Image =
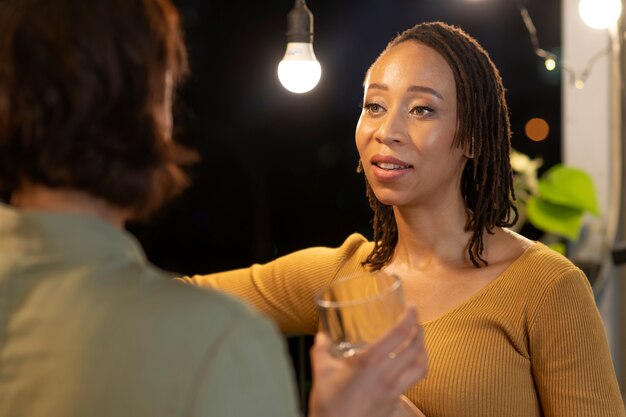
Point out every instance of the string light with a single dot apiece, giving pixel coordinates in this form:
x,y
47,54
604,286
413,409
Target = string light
x,y
551,61
550,64
600,14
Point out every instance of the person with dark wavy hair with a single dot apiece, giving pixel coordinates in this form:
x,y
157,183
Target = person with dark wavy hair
x,y
88,327
83,110
511,327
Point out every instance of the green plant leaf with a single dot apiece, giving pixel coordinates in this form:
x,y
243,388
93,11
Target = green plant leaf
x,y
558,247
554,218
569,187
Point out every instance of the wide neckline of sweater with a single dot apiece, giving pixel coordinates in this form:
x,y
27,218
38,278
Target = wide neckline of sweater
x,y
489,287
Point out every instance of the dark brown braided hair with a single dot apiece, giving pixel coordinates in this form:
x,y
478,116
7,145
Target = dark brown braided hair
x,y
483,127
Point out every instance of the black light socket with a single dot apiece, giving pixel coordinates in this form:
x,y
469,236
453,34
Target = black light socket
x,y
300,23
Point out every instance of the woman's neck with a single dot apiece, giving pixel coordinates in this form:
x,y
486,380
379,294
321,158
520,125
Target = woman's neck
x,y
427,238
41,198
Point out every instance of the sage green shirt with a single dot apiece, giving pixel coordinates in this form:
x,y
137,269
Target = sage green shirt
x,y
89,328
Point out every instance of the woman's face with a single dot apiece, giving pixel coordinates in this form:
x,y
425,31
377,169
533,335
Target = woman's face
x,y
405,133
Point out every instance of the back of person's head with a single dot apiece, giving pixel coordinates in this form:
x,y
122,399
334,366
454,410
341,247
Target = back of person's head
x,y
483,129
85,93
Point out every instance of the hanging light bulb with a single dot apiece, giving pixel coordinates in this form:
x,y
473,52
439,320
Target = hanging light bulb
x,y
600,14
299,71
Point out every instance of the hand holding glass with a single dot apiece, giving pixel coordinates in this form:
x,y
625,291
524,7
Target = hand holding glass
x,y
355,311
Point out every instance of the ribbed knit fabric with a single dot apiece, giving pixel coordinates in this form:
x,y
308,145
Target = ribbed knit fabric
x,y
531,343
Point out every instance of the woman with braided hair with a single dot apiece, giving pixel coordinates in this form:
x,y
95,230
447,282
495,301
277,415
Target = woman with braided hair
x,y
510,326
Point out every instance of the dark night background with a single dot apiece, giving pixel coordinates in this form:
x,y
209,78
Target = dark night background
x,y
278,168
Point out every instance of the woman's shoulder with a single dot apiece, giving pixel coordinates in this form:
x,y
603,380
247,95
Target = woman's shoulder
x,y
539,257
519,249
539,266
537,277
356,244
354,249
327,260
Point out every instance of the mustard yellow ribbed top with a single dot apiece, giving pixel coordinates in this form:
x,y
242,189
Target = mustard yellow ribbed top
x,y
531,343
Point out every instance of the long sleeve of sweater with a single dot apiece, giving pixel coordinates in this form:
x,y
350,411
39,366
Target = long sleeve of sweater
x,y
284,289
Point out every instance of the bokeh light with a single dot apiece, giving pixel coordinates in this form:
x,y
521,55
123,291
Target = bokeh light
x,y
537,129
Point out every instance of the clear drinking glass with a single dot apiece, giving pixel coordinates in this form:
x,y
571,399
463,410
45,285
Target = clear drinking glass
x,y
358,309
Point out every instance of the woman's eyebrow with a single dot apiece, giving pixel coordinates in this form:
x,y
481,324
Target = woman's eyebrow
x,y
424,89
413,88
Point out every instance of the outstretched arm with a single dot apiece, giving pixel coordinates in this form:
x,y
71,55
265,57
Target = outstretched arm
x,y
284,288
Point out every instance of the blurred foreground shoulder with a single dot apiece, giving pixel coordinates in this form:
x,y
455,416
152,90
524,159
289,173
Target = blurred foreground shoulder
x,y
244,370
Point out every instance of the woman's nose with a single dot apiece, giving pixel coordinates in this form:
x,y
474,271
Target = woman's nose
x,y
392,129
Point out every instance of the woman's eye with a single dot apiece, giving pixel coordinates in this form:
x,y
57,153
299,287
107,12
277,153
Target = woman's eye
x,y
373,107
422,110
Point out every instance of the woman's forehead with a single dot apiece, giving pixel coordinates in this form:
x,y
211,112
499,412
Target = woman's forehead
x,y
412,63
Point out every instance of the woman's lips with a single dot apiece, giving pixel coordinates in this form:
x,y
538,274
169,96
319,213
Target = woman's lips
x,y
387,168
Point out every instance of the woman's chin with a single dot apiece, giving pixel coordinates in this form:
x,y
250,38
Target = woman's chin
x,y
388,199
